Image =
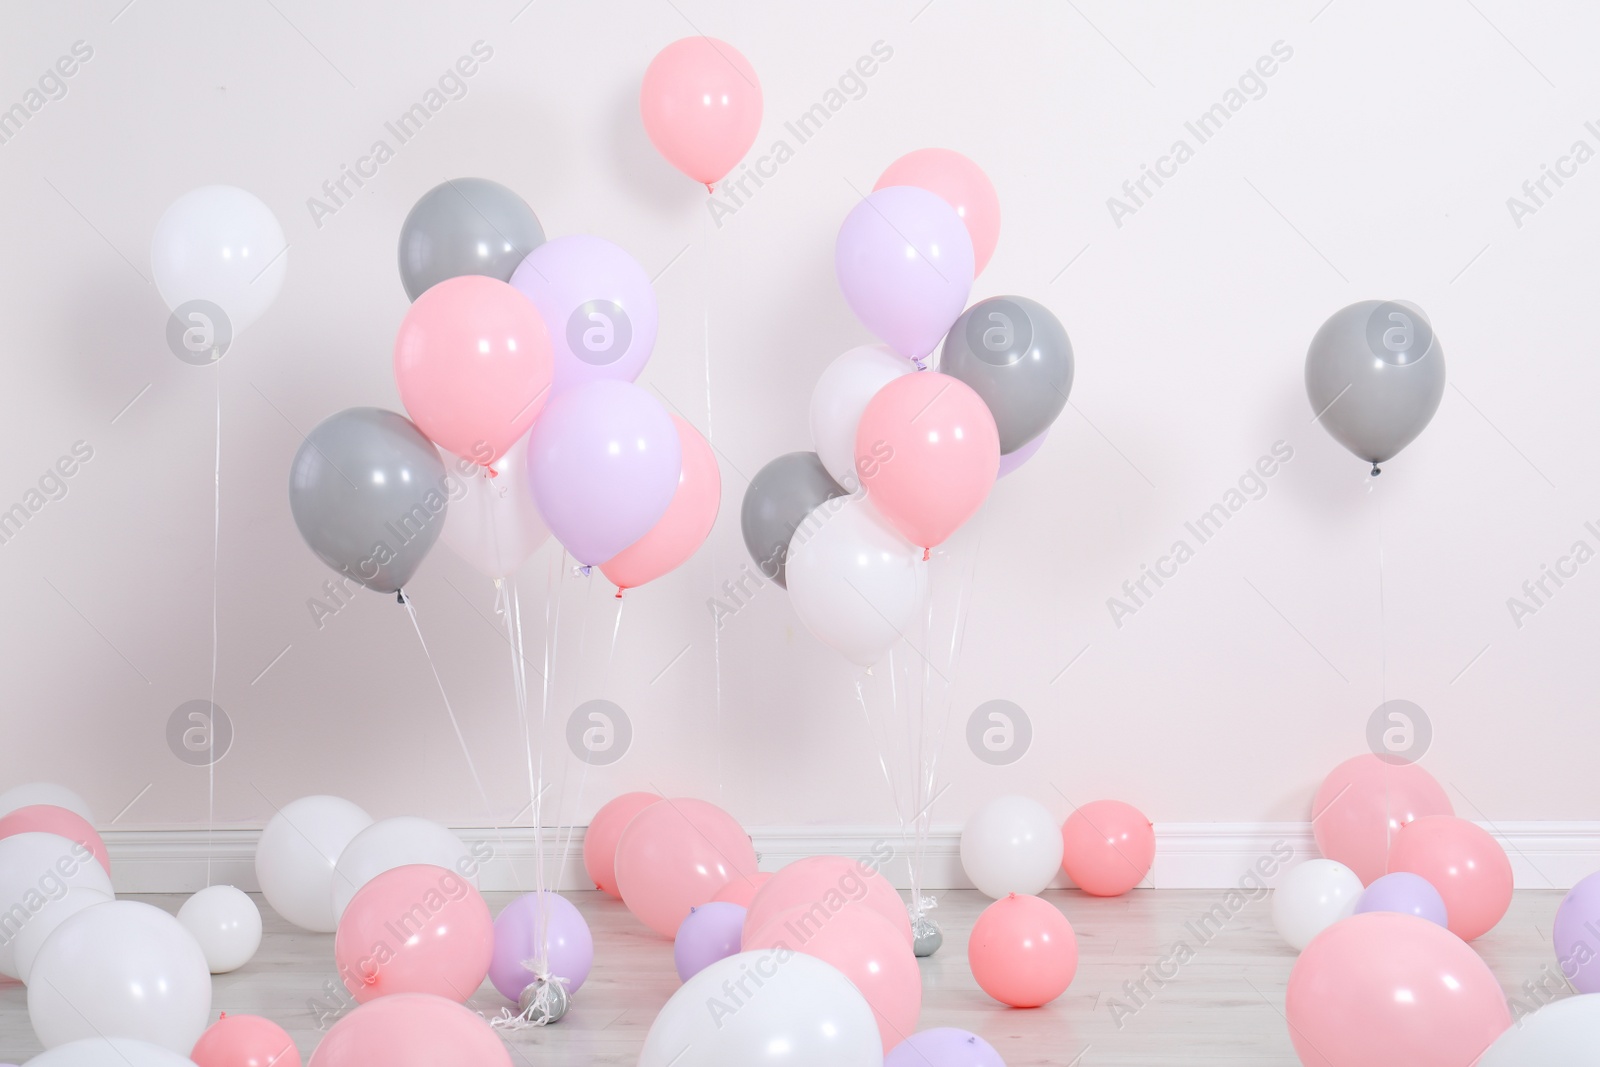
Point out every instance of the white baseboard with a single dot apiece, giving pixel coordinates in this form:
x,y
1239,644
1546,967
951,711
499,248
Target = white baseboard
x,y
1544,855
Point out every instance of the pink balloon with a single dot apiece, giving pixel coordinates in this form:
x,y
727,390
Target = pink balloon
x,y
605,830
962,184
742,889
1010,461
49,819
1107,847
928,453
865,948
1464,863
674,856
701,105
687,522
415,929
832,882
904,263
1363,803
1385,988
245,1041
411,1030
473,363
1022,951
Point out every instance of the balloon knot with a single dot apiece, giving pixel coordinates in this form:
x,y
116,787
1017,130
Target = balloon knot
x,y
919,362
710,190
1375,470
927,554
619,592
490,471
399,596
585,570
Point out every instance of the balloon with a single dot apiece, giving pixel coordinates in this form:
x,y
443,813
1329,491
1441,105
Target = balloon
x,y
1107,847
1375,376
943,1046
26,796
225,923
1010,461
764,1009
1383,988
220,245
701,105
1015,355
1563,1033
122,968
1022,951
928,454
411,1030
779,499
1311,898
1577,935
415,929
1363,803
397,842
674,856
367,491
853,580
840,396
709,933
35,867
742,888
465,226
959,182
1464,863
1011,845
1407,894
832,882
110,1052
603,462
532,920
599,306
605,830
685,525
63,822
296,854
245,1041
27,941
493,522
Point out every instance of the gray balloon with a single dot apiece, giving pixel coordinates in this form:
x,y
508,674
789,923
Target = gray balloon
x,y
1375,376
369,494
780,497
1015,354
465,226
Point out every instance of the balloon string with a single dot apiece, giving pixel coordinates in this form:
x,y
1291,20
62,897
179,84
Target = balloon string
x,y
552,633
211,710
879,747
1383,659
583,777
716,624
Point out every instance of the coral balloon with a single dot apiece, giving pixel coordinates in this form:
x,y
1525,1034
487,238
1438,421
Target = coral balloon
x,y
830,882
701,105
686,524
742,889
674,856
605,830
1384,988
411,1030
1363,803
415,929
473,363
1107,847
1022,951
928,453
245,1041
49,819
959,182
1464,863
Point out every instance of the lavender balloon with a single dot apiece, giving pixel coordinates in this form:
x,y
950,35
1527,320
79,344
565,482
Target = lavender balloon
x,y
709,933
1577,935
944,1046
904,261
1010,461
1406,893
603,464
517,936
599,306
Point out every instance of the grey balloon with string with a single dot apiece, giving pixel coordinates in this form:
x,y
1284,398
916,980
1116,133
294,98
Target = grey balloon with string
x,y
1015,354
1375,375
465,226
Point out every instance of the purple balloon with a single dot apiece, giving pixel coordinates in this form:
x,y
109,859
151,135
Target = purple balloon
x,y
904,261
598,305
1010,461
708,933
1406,893
1577,935
603,464
517,935
944,1046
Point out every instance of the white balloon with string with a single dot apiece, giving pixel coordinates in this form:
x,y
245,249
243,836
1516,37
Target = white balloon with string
x,y
220,245
492,521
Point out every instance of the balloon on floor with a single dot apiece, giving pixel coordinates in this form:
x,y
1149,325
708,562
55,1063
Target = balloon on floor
x,y
1023,951
1107,847
296,854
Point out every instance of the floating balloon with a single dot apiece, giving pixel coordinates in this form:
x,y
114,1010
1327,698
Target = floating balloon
x,y
540,921
493,522
1363,803
1464,863
23,796
943,1046
1015,355
245,1041
831,882
295,858
1311,898
711,932
674,856
1406,894
219,260
411,1030
685,525
465,226
1022,951
1577,935
49,819
414,929
778,501
959,182
397,842
701,105
29,861
1107,847
1560,1034
603,833
225,923
1011,845
841,395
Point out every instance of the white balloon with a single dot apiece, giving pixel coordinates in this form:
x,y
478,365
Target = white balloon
x,y
841,395
392,843
1011,845
775,1007
492,522
34,870
122,969
225,923
1311,898
221,244
296,855
853,580
25,796
109,1052
31,938
1563,1033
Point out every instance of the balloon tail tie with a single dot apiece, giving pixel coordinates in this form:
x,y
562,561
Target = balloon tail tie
x,y
399,596
710,190
585,569
927,554
547,1005
619,592
1375,470
919,362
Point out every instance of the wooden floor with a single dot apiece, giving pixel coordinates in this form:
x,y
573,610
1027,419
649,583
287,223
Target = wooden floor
x,y
1223,1007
